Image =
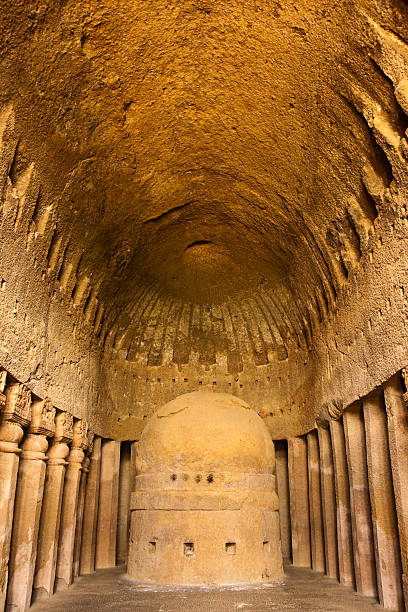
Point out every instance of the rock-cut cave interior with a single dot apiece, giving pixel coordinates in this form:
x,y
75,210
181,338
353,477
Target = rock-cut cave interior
x,y
203,305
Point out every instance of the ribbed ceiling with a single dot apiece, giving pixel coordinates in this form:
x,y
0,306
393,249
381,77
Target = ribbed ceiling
x,y
212,169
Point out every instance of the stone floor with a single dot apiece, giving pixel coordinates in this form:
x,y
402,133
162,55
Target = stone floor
x,y
302,590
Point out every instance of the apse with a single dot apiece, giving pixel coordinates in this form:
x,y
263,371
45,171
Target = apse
x,y
203,200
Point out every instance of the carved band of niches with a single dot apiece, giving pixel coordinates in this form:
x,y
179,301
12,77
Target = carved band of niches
x,y
17,408
64,427
42,418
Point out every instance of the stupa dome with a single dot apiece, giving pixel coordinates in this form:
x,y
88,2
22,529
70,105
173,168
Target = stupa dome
x,y
206,431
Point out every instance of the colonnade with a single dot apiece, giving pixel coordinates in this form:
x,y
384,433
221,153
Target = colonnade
x,y
343,492
64,496
59,496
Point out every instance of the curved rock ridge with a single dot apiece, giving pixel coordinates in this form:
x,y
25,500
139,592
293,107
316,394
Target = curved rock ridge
x,y
204,185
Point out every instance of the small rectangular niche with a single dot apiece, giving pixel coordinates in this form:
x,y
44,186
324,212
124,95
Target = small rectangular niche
x,y
230,548
189,549
267,546
152,547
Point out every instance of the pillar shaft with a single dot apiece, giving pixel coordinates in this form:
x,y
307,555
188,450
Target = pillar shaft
x,y
397,417
80,516
328,502
299,502
315,503
282,481
125,476
88,543
44,578
27,511
363,544
344,533
8,478
384,518
69,509
133,456
15,413
108,505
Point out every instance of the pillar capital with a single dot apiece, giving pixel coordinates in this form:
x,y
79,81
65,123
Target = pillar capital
x,y
42,418
3,379
330,411
42,425
335,409
79,443
17,405
80,434
95,449
85,464
58,452
91,437
90,441
64,427
15,414
404,374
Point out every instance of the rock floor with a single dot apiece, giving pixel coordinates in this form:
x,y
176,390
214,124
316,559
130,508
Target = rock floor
x,y
302,590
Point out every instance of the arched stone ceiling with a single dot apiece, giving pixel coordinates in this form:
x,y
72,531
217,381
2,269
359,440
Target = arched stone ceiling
x,y
210,170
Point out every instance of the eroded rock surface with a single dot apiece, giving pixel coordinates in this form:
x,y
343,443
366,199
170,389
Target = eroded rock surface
x,y
201,193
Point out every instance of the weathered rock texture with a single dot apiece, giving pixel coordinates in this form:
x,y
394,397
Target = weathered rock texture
x,y
205,508
203,193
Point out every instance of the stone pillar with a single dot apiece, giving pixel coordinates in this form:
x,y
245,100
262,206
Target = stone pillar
x,y
341,481
133,455
385,528
282,482
108,505
81,506
80,517
15,414
363,544
397,416
299,502
315,503
88,543
125,490
44,577
27,511
328,501
69,508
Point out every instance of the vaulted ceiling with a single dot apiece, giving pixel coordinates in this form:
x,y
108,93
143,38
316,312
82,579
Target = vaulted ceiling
x,y
211,171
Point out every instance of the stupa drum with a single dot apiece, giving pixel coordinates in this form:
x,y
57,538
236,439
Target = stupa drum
x,y
205,508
